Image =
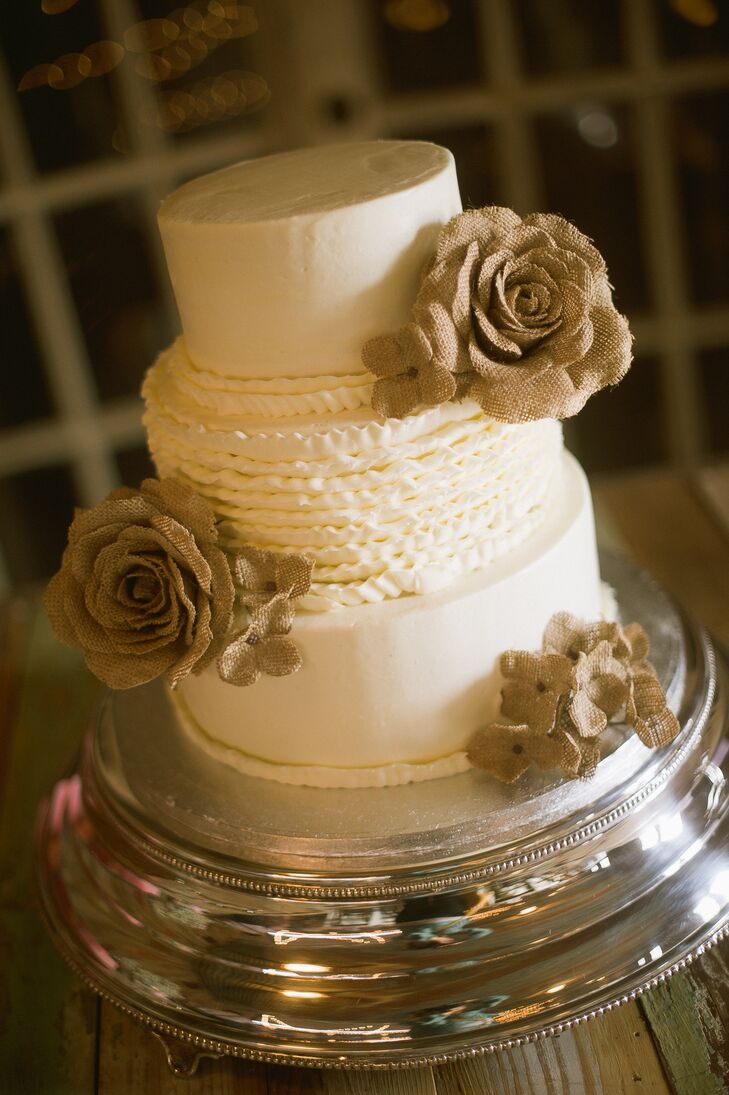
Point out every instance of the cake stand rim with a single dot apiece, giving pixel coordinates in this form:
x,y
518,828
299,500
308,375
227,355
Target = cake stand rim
x,y
356,1059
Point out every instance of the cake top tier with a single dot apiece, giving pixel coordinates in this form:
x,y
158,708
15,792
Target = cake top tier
x,y
285,266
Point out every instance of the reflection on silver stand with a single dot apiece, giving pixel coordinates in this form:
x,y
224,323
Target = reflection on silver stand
x,y
396,926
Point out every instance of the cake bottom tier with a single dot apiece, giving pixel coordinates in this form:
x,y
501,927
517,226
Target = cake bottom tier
x,y
391,692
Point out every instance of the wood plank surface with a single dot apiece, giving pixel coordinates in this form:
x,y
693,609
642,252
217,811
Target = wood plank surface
x,y
55,1036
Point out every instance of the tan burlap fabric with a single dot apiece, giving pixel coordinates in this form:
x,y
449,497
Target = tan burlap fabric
x,y
263,646
563,699
519,311
143,588
261,574
268,583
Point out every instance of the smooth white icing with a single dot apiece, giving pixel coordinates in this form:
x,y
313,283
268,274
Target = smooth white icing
x,y
286,265
384,507
313,775
407,681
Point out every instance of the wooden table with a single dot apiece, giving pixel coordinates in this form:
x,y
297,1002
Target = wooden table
x,y
58,1039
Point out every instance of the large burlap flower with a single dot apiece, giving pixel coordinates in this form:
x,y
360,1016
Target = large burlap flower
x,y
530,307
143,588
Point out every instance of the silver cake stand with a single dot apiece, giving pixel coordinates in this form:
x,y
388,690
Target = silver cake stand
x,y
398,926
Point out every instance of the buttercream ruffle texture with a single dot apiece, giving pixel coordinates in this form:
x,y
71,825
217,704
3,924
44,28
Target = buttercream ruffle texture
x,y
383,507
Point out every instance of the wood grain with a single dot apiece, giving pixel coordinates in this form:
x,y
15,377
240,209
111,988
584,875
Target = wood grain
x,y
612,1053
689,1018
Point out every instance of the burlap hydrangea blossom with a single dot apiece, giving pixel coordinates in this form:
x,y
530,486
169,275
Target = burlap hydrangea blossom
x,y
143,589
519,312
268,583
562,700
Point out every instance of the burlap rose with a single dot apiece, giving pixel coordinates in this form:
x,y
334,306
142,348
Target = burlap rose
x,y
530,307
143,588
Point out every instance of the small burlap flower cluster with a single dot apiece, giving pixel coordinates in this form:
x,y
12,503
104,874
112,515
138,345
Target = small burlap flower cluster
x,y
143,587
517,314
268,583
561,700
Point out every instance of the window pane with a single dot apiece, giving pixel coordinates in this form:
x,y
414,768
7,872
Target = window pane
x,y
700,126
590,177
36,508
705,33
120,307
567,35
425,44
24,393
73,120
714,375
622,427
134,465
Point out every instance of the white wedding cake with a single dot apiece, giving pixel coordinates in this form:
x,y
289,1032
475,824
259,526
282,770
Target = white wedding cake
x,y
439,539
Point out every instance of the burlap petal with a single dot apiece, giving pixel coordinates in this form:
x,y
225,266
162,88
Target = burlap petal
x,y
500,750
539,396
579,756
221,609
506,752
589,720
294,574
197,644
568,238
471,225
81,553
262,574
647,711
383,355
238,663
608,358
117,669
534,685
638,643
178,502
279,657
442,334
119,509
395,397
437,385
459,301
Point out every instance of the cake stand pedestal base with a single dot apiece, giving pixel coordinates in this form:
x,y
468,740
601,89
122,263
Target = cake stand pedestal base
x,y
398,926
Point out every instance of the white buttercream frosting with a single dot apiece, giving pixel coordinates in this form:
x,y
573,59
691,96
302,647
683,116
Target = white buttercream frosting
x,y
386,690
383,506
286,265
